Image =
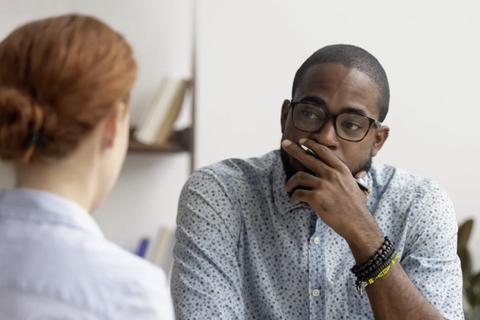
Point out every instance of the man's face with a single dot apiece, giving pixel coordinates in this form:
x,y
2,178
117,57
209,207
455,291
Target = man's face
x,y
337,89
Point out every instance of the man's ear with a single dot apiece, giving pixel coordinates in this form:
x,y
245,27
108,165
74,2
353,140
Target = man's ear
x,y
381,135
284,115
111,125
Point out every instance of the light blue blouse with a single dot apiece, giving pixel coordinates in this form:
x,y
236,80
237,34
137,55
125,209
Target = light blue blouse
x,y
56,264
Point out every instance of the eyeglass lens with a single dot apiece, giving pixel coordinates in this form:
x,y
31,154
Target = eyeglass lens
x,y
349,126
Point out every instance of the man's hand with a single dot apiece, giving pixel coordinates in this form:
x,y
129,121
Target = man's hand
x,y
335,197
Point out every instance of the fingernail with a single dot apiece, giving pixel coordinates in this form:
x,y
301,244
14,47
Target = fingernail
x,y
302,141
361,174
286,143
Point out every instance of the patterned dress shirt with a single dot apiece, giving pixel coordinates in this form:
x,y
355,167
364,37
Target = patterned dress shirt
x,y
245,251
56,264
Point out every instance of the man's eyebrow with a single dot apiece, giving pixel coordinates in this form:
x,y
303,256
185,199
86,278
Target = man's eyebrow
x,y
315,100
321,103
354,111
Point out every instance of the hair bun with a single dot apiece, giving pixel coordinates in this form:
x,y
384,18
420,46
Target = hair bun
x,y
65,84
17,112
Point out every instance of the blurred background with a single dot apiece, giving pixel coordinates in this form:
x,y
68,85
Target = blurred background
x,y
246,54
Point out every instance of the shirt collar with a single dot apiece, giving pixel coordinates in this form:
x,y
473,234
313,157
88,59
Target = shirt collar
x,y
42,206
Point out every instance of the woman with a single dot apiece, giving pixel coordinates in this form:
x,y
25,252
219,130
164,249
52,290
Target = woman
x,y
64,121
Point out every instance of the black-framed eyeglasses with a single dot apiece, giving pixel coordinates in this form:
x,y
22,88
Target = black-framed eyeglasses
x,y
310,117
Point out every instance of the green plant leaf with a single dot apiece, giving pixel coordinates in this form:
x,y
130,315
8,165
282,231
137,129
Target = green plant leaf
x,y
466,263
472,314
475,280
475,288
471,282
464,233
470,297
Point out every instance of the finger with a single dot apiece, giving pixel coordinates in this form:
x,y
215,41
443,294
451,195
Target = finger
x,y
301,195
324,153
298,153
361,183
302,179
361,174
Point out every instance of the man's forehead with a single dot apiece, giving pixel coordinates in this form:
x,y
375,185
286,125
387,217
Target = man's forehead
x,y
328,80
329,71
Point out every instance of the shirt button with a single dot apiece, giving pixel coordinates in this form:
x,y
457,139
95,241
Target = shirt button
x,y
316,240
316,292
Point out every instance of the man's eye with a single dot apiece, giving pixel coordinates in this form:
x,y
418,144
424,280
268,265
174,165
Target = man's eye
x,y
309,115
351,126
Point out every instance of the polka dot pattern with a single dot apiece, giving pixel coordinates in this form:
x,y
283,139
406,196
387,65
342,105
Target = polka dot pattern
x,y
244,251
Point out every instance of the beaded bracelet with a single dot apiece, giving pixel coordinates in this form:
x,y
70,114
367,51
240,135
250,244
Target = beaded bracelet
x,y
375,267
378,259
365,276
359,285
384,271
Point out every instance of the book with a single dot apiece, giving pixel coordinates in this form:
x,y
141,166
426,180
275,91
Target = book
x,y
160,252
156,123
152,248
166,260
142,247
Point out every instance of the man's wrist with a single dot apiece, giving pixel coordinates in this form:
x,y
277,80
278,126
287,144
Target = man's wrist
x,y
364,242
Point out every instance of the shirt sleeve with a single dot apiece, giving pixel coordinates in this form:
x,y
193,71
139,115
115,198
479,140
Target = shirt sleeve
x,y
206,281
430,258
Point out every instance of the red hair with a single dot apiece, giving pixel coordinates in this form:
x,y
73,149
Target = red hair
x,y
59,77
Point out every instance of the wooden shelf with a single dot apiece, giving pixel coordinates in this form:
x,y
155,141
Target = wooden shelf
x,y
179,141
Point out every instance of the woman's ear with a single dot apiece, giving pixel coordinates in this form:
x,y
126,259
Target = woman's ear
x,y
111,124
381,135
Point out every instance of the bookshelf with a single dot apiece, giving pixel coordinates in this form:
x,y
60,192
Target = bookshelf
x,y
154,168
178,141
183,140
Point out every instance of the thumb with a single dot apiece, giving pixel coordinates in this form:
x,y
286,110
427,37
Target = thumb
x,y
360,174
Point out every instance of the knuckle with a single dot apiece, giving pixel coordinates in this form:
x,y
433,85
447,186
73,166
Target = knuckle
x,y
336,175
303,175
331,174
322,148
299,195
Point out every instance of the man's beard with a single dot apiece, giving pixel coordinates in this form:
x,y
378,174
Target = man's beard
x,y
290,170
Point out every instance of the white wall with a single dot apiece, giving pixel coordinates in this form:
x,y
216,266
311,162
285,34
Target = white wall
x,y
160,31
248,52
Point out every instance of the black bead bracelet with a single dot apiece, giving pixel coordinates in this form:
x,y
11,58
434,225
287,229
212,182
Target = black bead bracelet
x,y
376,263
379,269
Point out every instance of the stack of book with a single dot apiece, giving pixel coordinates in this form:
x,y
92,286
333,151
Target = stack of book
x,y
157,121
159,251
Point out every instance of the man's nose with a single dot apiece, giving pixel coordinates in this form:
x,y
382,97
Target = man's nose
x,y
327,135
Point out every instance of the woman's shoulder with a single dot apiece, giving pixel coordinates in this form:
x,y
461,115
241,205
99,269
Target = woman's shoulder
x,y
85,271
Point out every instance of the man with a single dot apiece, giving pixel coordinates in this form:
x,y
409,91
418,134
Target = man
x,y
277,237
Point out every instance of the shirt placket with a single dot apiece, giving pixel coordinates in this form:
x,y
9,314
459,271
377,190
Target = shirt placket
x,y
317,269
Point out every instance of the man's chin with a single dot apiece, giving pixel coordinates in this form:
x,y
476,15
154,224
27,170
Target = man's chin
x,y
365,166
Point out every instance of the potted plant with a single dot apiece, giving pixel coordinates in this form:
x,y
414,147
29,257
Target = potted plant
x,y
471,279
